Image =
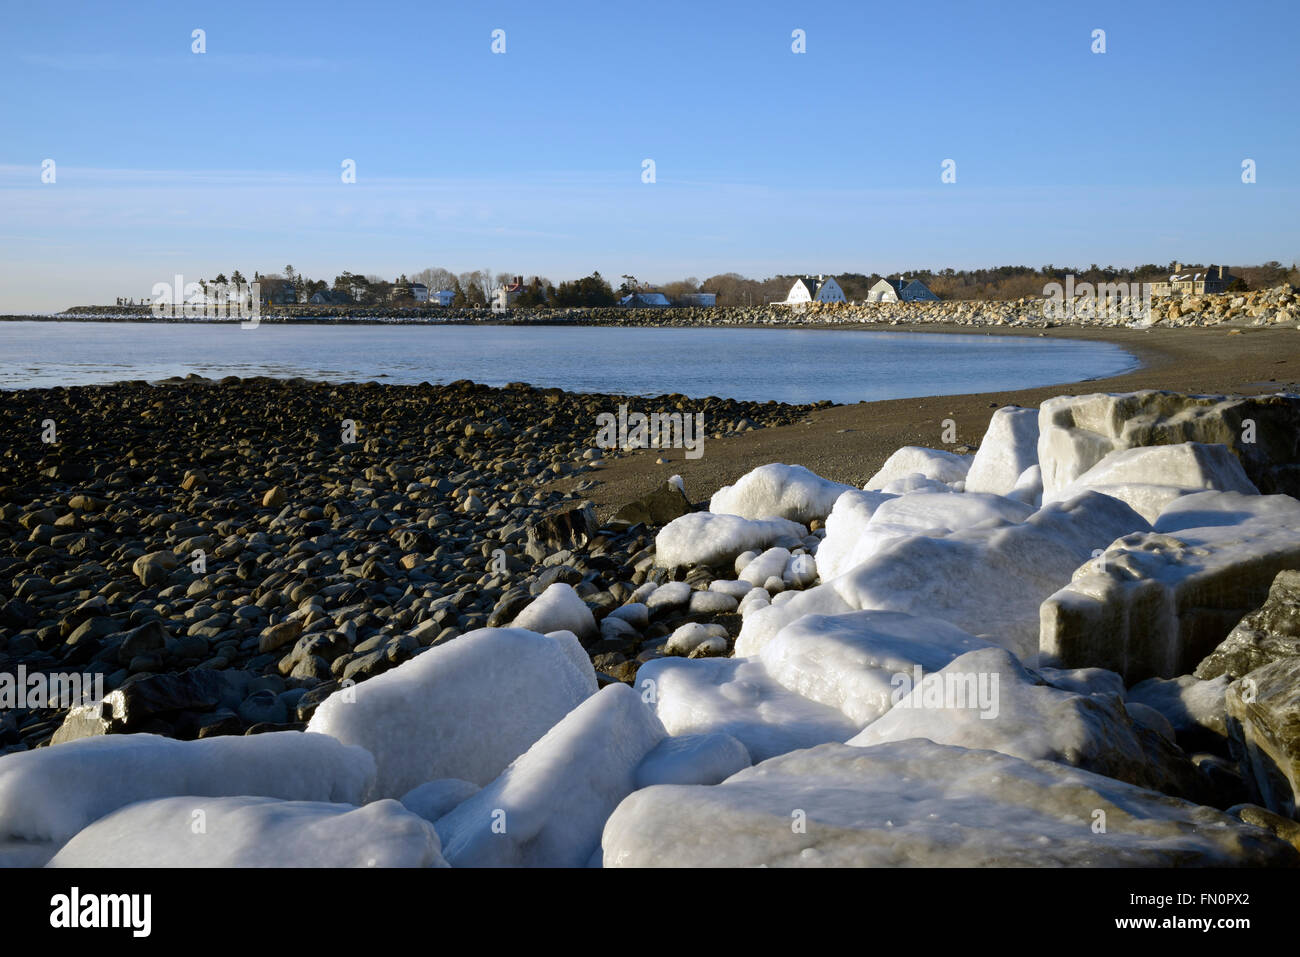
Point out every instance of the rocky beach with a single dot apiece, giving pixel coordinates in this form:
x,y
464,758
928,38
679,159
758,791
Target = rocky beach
x,y
440,625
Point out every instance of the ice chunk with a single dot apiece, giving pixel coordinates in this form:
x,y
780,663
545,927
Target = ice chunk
x,y
737,697
1154,604
987,581
557,609
50,794
433,799
254,832
702,538
986,699
920,804
767,565
1028,487
856,663
779,491
1194,707
1009,447
692,759
913,459
464,709
548,808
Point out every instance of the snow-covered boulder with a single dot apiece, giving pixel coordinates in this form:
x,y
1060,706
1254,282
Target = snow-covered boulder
x,y
1155,603
858,529
986,581
464,709
548,808
770,563
933,464
1028,487
737,697
1009,447
254,832
49,794
558,608
1077,432
856,663
1149,478
920,804
779,491
433,799
692,759
987,699
703,538
1194,708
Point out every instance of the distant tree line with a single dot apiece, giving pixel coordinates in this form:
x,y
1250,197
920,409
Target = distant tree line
x,y
477,288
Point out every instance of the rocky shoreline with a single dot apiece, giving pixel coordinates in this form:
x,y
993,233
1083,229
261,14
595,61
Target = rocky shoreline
x,y
1279,305
323,559
1071,644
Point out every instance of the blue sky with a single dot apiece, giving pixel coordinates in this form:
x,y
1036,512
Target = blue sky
x,y
766,161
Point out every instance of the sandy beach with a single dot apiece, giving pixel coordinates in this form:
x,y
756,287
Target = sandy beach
x,y
848,443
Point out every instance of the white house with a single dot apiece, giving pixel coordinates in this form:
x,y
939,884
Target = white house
x,y
808,289
900,290
419,292
442,297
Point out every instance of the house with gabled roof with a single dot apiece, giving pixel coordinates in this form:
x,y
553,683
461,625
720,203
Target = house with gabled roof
x,y
900,290
808,289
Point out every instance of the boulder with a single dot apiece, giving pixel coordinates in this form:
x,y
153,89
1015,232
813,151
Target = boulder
x,y
987,699
934,464
1264,730
1077,432
1155,603
703,538
915,803
779,491
1269,633
1009,447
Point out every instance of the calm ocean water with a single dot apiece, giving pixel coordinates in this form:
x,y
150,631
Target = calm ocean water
x,y
787,365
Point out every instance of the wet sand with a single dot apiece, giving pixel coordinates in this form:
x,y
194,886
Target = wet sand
x,y
849,443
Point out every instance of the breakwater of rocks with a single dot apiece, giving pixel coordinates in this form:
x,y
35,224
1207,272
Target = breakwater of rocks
x,y
1275,306
231,552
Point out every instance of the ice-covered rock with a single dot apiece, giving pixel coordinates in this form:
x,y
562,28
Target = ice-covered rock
x,y
692,759
1009,447
987,699
767,565
856,663
558,608
736,589
987,581
1077,432
1149,478
800,571
1194,708
432,799
920,804
1267,634
1154,604
686,638
859,529
711,603
1264,731
464,709
737,697
915,460
1028,487
1083,680
703,538
916,482
548,808
50,794
254,832
778,491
